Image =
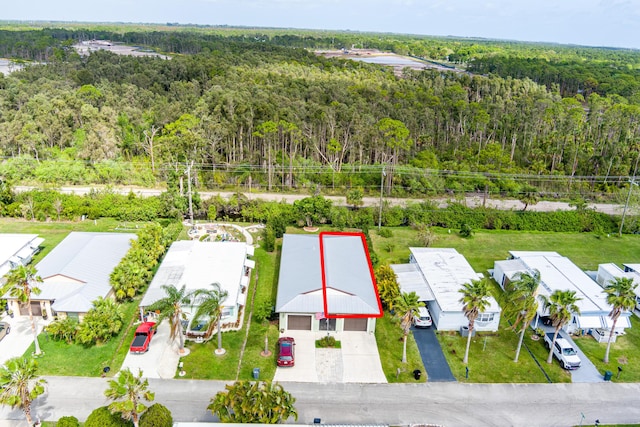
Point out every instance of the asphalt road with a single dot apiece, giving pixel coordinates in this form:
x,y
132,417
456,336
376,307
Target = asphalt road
x,y
472,201
447,404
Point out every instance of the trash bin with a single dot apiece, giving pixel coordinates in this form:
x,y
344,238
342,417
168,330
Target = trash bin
x,y
608,375
256,373
464,331
417,373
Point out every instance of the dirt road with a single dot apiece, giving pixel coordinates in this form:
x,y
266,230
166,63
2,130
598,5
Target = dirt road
x,y
471,201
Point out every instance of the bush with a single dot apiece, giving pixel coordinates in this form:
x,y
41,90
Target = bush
x,y
68,422
102,417
268,239
63,329
156,415
385,232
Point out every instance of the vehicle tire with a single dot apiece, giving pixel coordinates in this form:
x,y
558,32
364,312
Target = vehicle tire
x,y
8,330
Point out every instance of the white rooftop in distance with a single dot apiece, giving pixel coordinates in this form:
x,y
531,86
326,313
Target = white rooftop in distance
x,y
446,271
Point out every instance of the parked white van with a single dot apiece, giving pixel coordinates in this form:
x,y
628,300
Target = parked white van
x,y
424,318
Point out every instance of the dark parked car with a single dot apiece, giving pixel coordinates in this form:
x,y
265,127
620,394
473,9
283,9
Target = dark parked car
x,y
5,328
286,351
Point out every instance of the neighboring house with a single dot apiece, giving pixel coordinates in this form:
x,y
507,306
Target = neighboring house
x,y
75,273
17,249
197,265
350,291
608,273
437,276
559,273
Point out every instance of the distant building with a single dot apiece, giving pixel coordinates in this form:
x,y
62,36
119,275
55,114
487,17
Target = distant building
x,y
559,273
608,273
437,275
16,250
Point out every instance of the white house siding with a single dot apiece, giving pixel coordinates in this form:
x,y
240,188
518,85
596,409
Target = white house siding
x,y
316,323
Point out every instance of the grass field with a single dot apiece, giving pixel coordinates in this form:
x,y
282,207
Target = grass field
x,y
586,250
625,352
61,358
389,339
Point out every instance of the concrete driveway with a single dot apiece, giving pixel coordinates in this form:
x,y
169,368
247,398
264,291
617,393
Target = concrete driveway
x,y
161,361
20,337
358,361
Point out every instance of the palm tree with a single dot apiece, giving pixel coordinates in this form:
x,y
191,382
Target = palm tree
x,y
170,307
253,402
406,307
562,306
128,391
475,300
19,384
21,283
209,302
622,296
522,303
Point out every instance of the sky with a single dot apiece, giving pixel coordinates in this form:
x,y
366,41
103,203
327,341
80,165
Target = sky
x,y
614,23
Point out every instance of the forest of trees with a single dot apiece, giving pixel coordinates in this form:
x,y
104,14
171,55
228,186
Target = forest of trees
x,y
255,110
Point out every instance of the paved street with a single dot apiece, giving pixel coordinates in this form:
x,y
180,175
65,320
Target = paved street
x,y
447,404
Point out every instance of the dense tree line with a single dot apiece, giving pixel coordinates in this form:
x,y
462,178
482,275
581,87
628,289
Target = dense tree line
x,y
249,110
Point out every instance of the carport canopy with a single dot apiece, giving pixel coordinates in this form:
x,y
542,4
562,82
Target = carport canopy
x,y
410,279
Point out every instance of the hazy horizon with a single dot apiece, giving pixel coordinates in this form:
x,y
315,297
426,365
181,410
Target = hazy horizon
x,y
598,23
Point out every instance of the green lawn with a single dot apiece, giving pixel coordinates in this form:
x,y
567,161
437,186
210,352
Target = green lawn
x,y
389,339
586,250
61,358
625,352
54,232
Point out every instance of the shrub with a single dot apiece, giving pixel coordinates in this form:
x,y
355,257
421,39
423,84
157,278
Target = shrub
x,y
268,239
156,415
385,232
466,230
68,422
102,417
63,329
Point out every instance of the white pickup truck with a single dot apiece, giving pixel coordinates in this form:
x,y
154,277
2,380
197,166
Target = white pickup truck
x,y
563,351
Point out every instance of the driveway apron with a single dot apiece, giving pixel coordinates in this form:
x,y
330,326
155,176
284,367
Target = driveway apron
x,y
432,356
587,372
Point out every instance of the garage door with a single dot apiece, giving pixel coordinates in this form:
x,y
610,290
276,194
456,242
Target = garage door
x,y
299,323
355,324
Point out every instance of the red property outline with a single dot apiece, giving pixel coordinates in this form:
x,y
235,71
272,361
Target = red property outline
x,y
324,279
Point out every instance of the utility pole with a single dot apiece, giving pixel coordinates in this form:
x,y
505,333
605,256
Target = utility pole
x,y
382,175
189,166
632,182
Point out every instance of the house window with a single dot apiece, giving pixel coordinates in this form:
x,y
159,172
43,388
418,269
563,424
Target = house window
x,y
485,317
74,316
328,324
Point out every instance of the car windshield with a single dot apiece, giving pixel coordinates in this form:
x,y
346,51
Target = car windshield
x,y
569,352
286,358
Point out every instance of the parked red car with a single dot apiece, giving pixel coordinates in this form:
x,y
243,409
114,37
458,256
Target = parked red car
x,y
286,351
143,336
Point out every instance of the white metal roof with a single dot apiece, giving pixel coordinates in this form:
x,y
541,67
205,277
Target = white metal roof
x,y
559,273
446,271
410,279
197,265
11,244
76,272
346,269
